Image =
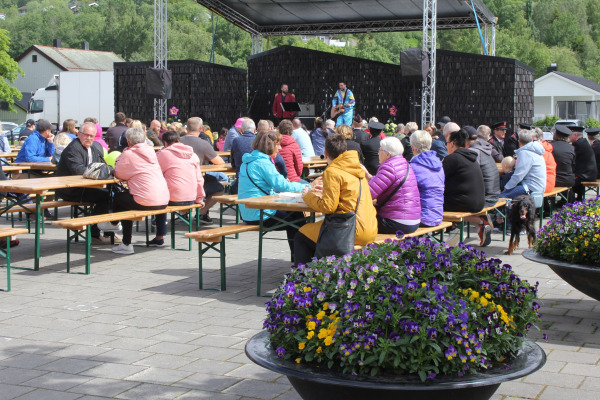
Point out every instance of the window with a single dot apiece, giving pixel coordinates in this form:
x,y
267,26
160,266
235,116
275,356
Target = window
x,y
36,106
34,58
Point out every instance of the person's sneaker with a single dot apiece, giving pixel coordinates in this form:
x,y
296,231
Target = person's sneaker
x,y
205,219
156,243
487,220
485,235
101,240
108,227
48,214
123,249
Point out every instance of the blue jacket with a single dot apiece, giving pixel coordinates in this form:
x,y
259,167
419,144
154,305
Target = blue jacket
x,y
530,170
318,140
241,145
439,146
261,169
232,134
36,149
430,180
303,140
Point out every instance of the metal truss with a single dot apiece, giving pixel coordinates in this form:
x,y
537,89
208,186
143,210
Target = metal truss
x,y
257,44
490,38
429,46
160,52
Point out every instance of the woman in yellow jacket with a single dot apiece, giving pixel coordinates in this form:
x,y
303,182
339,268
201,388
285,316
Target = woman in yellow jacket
x,y
341,181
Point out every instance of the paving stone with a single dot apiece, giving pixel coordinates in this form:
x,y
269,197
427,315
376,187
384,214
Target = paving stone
x,y
44,394
171,348
215,353
554,379
121,356
148,391
12,391
217,341
210,367
554,393
252,371
577,357
166,361
199,395
104,387
27,360
69,365
57,381
114,371
159,376
259,389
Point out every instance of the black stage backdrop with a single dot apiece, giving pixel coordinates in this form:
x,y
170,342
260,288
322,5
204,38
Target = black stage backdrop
x,y
213,92
471,89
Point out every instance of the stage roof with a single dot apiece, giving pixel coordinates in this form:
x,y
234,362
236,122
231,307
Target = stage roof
x,y
313,17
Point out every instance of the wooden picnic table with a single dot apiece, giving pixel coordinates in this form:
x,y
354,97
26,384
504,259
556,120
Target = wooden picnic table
x,y
273,202
12,154
15,168
38,187
40,166
224,153
157,148
217,168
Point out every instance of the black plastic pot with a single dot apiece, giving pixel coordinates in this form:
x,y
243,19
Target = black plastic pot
x,y
313,383
585,278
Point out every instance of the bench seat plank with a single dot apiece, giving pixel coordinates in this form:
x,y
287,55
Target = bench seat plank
x,y
6,232
215,234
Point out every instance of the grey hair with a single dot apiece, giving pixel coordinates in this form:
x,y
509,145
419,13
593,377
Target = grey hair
x,y
484,131
330,124
451,127
392,146
539,132
248,125
399,128
92,127
135,136
526,136
420,141
412,126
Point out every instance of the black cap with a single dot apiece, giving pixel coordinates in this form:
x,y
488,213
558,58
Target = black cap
x,y
43,125
443,121
29,122
592,132
499,125
563,130
575,128
376,127
471,131
357,118
525,126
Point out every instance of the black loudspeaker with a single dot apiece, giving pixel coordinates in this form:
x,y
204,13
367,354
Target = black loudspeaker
x,y
414,64
159,83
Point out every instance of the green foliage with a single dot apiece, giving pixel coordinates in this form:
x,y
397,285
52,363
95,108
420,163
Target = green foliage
x,y
592,123
548,120
409,307
9,70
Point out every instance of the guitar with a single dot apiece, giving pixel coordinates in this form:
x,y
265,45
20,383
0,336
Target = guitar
x,y
337,110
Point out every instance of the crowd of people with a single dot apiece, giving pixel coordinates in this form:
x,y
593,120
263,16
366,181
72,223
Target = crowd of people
x,y
395,183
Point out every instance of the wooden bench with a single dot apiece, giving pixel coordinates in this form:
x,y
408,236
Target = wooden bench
x,y
592,187
83,224
213,238
459,216
228,202
30,208
429,231
557,191
6,233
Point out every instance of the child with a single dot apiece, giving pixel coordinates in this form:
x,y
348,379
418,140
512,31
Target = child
x,y
508,168
61,141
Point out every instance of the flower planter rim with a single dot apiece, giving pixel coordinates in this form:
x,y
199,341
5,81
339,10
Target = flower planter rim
x,y
533,255
259,350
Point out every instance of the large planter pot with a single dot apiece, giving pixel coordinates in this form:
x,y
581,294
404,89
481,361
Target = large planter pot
x,y
585,278
315,383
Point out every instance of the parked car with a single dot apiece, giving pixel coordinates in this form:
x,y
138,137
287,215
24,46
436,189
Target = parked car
x,y
8,126
567,122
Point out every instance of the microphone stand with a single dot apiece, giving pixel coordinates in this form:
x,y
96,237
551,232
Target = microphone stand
x,y
251,102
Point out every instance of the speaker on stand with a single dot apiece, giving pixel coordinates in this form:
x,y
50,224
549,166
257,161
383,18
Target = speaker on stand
x,y
414,64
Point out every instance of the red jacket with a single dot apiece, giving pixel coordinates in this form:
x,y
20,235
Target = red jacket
x,y
550,166
278,111
290,151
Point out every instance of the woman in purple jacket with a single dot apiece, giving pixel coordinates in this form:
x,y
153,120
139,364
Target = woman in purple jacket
x,y
395,188
430,178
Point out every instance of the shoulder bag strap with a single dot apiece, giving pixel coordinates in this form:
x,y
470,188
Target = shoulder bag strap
x,y
359,193
379,205
254,183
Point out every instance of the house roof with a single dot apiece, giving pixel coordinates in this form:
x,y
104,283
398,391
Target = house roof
x,y
580,80
76,59
24,102
295,17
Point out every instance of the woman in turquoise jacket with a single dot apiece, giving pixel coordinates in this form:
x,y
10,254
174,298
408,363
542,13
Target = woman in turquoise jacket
x,y
259,177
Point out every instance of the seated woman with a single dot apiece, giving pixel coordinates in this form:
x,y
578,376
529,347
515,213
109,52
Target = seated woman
x,y
395,188
259,177
318,136
148,189
68,127
464,189
341,182
181,169
290,151
348,134
430,178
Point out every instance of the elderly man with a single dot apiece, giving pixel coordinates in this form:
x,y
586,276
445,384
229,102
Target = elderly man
x,y
205,153
301,137
530,171
75,158
439,144
240,146
483,133
38,147
497,139
585,161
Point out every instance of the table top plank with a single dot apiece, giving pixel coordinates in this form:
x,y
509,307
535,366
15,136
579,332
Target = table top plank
x,y
41,185
42,166
217,168
274,202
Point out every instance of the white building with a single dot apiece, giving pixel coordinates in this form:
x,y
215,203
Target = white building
x,y
567,96
41,63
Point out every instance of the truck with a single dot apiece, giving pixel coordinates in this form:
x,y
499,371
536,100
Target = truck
x,y
75,95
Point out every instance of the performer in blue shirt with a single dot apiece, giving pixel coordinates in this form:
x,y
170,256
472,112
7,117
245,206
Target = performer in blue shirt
x,y
343,106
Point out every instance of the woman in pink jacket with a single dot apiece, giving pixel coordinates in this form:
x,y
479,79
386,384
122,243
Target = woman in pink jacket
x,y
181,169
148,189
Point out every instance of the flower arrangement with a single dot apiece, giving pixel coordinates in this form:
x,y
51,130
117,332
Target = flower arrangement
x,y
402,307
173,112
390,126
572,234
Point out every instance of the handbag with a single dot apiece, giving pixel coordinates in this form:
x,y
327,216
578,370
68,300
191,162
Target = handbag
x,y
338,232
97,170
382,203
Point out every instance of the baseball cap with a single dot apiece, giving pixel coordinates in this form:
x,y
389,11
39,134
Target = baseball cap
x,y
444,120
29,122
43,125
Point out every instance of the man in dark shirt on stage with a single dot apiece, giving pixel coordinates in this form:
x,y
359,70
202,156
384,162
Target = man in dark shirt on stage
x,y
283,97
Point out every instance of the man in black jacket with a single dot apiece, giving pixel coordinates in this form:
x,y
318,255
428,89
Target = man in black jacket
x,y
592,135
498,137
358,135
75,158
564,155
585,161
370,148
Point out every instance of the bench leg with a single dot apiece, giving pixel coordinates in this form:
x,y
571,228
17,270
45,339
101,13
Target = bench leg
x,y
173,219
88,248
221,251
222,264
38,216
542,215
69,250
260,242
147,231
462,230
190,229
7,255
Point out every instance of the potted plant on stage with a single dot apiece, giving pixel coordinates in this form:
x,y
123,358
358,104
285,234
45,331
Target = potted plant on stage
x,y
570,244
390,125
413,316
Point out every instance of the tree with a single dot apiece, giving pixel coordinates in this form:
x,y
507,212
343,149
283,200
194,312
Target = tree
x,y
9,70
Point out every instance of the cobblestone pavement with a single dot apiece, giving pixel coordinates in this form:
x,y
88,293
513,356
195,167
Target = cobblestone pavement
x,y
139,328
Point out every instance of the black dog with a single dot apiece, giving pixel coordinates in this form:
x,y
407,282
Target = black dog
x,y
522,215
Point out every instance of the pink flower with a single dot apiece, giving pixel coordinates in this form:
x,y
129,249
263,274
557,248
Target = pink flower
x,y
173,111
393,111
